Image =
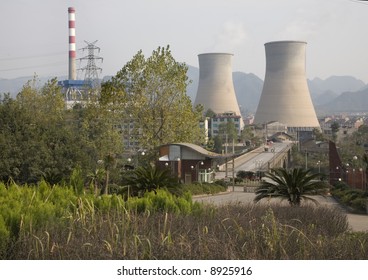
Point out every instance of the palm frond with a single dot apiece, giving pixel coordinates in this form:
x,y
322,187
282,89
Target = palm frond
x,y
292,185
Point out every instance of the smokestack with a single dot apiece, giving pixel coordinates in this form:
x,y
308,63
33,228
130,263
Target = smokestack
x,y
215,86
72,48
285,96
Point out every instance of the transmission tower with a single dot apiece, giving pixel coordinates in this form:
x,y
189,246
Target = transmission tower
x,y
91,70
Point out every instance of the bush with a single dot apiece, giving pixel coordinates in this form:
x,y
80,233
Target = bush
x,y
203,188
4,237
353,198
360,204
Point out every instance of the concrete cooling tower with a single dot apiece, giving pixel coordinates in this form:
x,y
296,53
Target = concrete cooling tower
x,y
215,86
285,96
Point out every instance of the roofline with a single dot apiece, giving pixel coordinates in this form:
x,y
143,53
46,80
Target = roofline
x,y
200,150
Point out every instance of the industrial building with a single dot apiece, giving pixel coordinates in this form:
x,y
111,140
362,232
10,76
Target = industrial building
x,y
285,96
73,89
215,87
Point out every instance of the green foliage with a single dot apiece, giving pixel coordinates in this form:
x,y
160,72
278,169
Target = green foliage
x,y
334,129
242,174
204,188
107,203
217,144
228,129
77,180
148,178
162,201
293,185
53,222
39,138
25,209
354,199
152,92
4,237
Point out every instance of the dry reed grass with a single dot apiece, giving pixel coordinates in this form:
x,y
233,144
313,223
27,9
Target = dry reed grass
x,y
232,231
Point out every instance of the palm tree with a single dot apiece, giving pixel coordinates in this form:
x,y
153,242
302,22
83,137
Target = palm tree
x,y
294,185
95,179
148,178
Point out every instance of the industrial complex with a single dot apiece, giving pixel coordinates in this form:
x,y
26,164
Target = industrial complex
x,y
76,90
285,97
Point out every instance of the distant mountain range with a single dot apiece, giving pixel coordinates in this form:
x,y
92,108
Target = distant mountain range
x,y
334,95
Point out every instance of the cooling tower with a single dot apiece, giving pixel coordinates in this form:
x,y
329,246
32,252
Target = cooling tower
x,y
215,86
72,48
285,96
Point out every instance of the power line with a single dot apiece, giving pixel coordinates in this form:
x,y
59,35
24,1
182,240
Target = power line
x,y
32,56
33,66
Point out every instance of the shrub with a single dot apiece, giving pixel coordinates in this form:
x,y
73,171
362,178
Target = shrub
x,y
356,199
203,188
360,204
4,237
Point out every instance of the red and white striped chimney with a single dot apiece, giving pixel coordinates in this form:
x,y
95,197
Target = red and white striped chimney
x,y
72,48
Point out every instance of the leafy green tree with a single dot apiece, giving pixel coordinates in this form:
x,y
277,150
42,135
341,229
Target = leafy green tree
x,y
335,127
247,134
294,185
148,178
40,138
97,134
228,128
318,134
210,114
242,174
32,135
151,92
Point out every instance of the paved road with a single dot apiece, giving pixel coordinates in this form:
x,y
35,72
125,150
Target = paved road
x,y
256,160
260,160
356,222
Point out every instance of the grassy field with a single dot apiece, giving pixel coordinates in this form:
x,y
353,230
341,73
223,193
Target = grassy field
x,y
44,222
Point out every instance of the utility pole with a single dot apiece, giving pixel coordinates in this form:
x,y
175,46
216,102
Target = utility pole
x,y
91,70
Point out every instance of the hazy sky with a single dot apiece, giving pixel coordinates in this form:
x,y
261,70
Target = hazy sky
x,y
34,33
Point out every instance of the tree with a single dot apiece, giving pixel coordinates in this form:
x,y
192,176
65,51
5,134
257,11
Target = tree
x,y
318,134
228,129
151,92
294,185
242,174
334,129
248,134
33,137
40,138
210,113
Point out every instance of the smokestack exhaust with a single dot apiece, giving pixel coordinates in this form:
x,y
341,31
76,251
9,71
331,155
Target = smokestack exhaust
x,y
72,47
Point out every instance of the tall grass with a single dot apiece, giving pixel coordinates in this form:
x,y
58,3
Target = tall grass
x,y
45,222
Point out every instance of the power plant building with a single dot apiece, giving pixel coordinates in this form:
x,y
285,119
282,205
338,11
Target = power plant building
x,y
72,87
285,96
215,87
